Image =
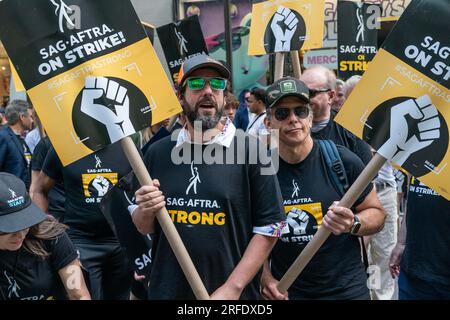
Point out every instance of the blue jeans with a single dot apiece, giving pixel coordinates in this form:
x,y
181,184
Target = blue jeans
x,y
412,288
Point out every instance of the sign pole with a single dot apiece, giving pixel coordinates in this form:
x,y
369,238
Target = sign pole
x,y
279,66
166,223
295,58
322,234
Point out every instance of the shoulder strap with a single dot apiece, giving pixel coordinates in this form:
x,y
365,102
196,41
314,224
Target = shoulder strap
x,y
336,171
335,166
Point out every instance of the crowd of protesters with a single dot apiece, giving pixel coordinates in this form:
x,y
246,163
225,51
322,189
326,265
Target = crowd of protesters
x,y
53,233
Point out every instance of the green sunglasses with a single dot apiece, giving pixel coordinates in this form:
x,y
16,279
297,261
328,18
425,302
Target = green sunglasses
x,y
198,83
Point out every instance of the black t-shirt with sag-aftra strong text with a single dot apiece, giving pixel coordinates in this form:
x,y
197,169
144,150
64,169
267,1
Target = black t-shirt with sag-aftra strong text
x,y
215,208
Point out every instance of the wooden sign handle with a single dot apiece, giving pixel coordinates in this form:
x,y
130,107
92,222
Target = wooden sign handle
x,y
166,223
279,66
295,58
322,234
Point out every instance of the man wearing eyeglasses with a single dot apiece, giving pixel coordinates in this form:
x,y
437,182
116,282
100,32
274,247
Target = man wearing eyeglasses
x,y
217,208
309,199
322,83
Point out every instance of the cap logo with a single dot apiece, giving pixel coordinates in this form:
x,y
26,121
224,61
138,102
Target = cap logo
x,y
288,86
13,193
15,200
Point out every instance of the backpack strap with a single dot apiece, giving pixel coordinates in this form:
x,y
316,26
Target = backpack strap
x,y
335,166
336,172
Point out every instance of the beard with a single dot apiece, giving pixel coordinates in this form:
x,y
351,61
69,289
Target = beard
x,y
208,121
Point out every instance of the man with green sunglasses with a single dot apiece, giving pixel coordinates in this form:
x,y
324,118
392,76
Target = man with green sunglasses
x,y
228,213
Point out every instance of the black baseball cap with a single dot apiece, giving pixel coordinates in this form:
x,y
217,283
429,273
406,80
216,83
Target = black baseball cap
x,y
201,61
286,87
17,211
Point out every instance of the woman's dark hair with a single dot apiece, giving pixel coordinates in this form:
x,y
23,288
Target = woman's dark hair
x,y
49,229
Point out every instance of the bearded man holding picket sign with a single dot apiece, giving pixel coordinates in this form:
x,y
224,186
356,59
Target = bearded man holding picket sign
x,y
216,208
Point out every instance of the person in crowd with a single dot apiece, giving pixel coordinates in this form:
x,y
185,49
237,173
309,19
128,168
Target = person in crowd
x,y
15,156
3,121
321,83
37,259
231,106
86,182
339,96
421,256
350,84
56,196
243,115
310,201
227,228
33,137
257,106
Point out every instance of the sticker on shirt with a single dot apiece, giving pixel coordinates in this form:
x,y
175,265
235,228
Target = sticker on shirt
x,y
302,222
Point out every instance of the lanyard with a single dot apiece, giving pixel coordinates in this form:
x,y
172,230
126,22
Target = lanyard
x,y
254,121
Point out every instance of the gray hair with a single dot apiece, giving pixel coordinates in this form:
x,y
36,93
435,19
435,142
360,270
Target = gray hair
x,y
15,109
340,83
351,83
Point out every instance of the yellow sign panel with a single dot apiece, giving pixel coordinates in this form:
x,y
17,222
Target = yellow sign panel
x,y
17,82
286,25
389,92
59,101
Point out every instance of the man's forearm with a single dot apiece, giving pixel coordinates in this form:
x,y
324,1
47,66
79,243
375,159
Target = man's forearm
x,y
372,221
256,253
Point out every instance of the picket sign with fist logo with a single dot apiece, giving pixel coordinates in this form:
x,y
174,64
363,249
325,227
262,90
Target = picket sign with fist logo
x,y
117,121
283,39
401,145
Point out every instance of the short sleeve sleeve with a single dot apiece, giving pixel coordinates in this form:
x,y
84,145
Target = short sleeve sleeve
x,y
52,165
63,252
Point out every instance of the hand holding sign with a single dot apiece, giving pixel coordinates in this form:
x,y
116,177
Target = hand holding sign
x,y
398,147
117,123
284,38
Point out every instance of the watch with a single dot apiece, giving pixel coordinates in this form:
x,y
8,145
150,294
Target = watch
x,y
356,225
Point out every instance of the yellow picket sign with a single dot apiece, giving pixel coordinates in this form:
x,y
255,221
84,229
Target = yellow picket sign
x,y
286,25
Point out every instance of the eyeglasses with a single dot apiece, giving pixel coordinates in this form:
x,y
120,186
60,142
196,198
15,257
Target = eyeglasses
x,y
282,113
198,83
314,92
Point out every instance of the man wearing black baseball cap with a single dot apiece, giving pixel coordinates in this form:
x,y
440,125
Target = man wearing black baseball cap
x,y
336,272
216,206
17,211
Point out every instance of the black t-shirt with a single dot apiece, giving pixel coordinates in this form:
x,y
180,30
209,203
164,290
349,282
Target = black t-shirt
x,y
341,136
214,208
86,181
56,196
25,276
427,250
336,271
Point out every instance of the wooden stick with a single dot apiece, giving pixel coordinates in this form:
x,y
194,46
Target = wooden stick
x,y
279,66
322,234
296,64
166,223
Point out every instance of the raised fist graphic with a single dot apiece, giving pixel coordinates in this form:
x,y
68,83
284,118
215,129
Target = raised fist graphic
x,y
117,122
101,184
401,144
283,39
298,220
